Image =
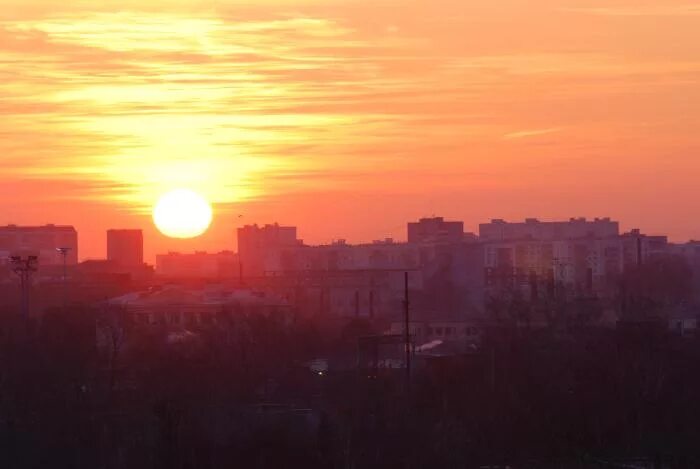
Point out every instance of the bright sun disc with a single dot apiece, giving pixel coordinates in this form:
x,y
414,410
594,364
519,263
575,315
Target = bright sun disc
x,y
182,213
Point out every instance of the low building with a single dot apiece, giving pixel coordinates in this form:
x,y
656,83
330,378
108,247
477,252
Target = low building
x,y
199,265
429,333
173,314
182,307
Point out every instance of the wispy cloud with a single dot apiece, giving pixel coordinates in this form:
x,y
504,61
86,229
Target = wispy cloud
x,y
530,133
689,9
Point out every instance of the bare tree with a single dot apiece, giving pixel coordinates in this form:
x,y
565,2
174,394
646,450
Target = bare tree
x,y
113,325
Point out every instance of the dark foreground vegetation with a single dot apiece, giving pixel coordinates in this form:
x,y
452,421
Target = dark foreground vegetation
x,y
243,397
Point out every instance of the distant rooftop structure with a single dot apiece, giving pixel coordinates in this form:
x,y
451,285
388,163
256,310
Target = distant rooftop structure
x,y
435,230
269,234
532,228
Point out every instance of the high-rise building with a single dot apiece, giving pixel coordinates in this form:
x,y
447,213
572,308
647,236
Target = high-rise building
x,y
259,247
532,228
638,248
125,247
41,241
435,230
584,256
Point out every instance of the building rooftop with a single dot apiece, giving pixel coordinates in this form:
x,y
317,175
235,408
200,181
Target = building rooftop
x,y
49,227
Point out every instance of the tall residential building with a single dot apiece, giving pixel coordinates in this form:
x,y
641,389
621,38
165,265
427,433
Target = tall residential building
x,y
585,265
584,256
435,230
259,247
690,251
638,248
41,241
341,256
125,247
532,228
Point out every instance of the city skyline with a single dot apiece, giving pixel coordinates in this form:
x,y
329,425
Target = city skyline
x,y
319,114
129,246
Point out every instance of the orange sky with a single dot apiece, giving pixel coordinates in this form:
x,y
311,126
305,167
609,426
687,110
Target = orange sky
x,y
349,117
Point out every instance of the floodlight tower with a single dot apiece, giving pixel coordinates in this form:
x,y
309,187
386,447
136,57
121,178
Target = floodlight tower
x,y
64,252
24,267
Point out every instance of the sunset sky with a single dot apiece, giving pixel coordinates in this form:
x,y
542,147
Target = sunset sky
x,y
348,118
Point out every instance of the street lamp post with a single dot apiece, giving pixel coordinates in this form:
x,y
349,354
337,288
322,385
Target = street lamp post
x,y
64,253
24,267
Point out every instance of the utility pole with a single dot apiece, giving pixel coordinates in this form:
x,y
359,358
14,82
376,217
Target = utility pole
x,y
640,256
371,301
24,267
407,333
64,252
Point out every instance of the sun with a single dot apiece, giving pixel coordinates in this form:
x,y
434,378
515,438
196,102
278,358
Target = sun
x,y
182,213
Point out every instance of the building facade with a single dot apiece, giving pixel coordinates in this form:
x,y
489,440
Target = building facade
x,y
435,230
532,228
41,241
199,265
584,257
125,247
259,247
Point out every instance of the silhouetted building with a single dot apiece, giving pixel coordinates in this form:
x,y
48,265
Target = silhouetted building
x,y
41,241
106,271
198,265
435,230
579,256
690,251
342,280
343,293
259,247
179,307
340,255
125,247
431,333
532,228
533,266
638,247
